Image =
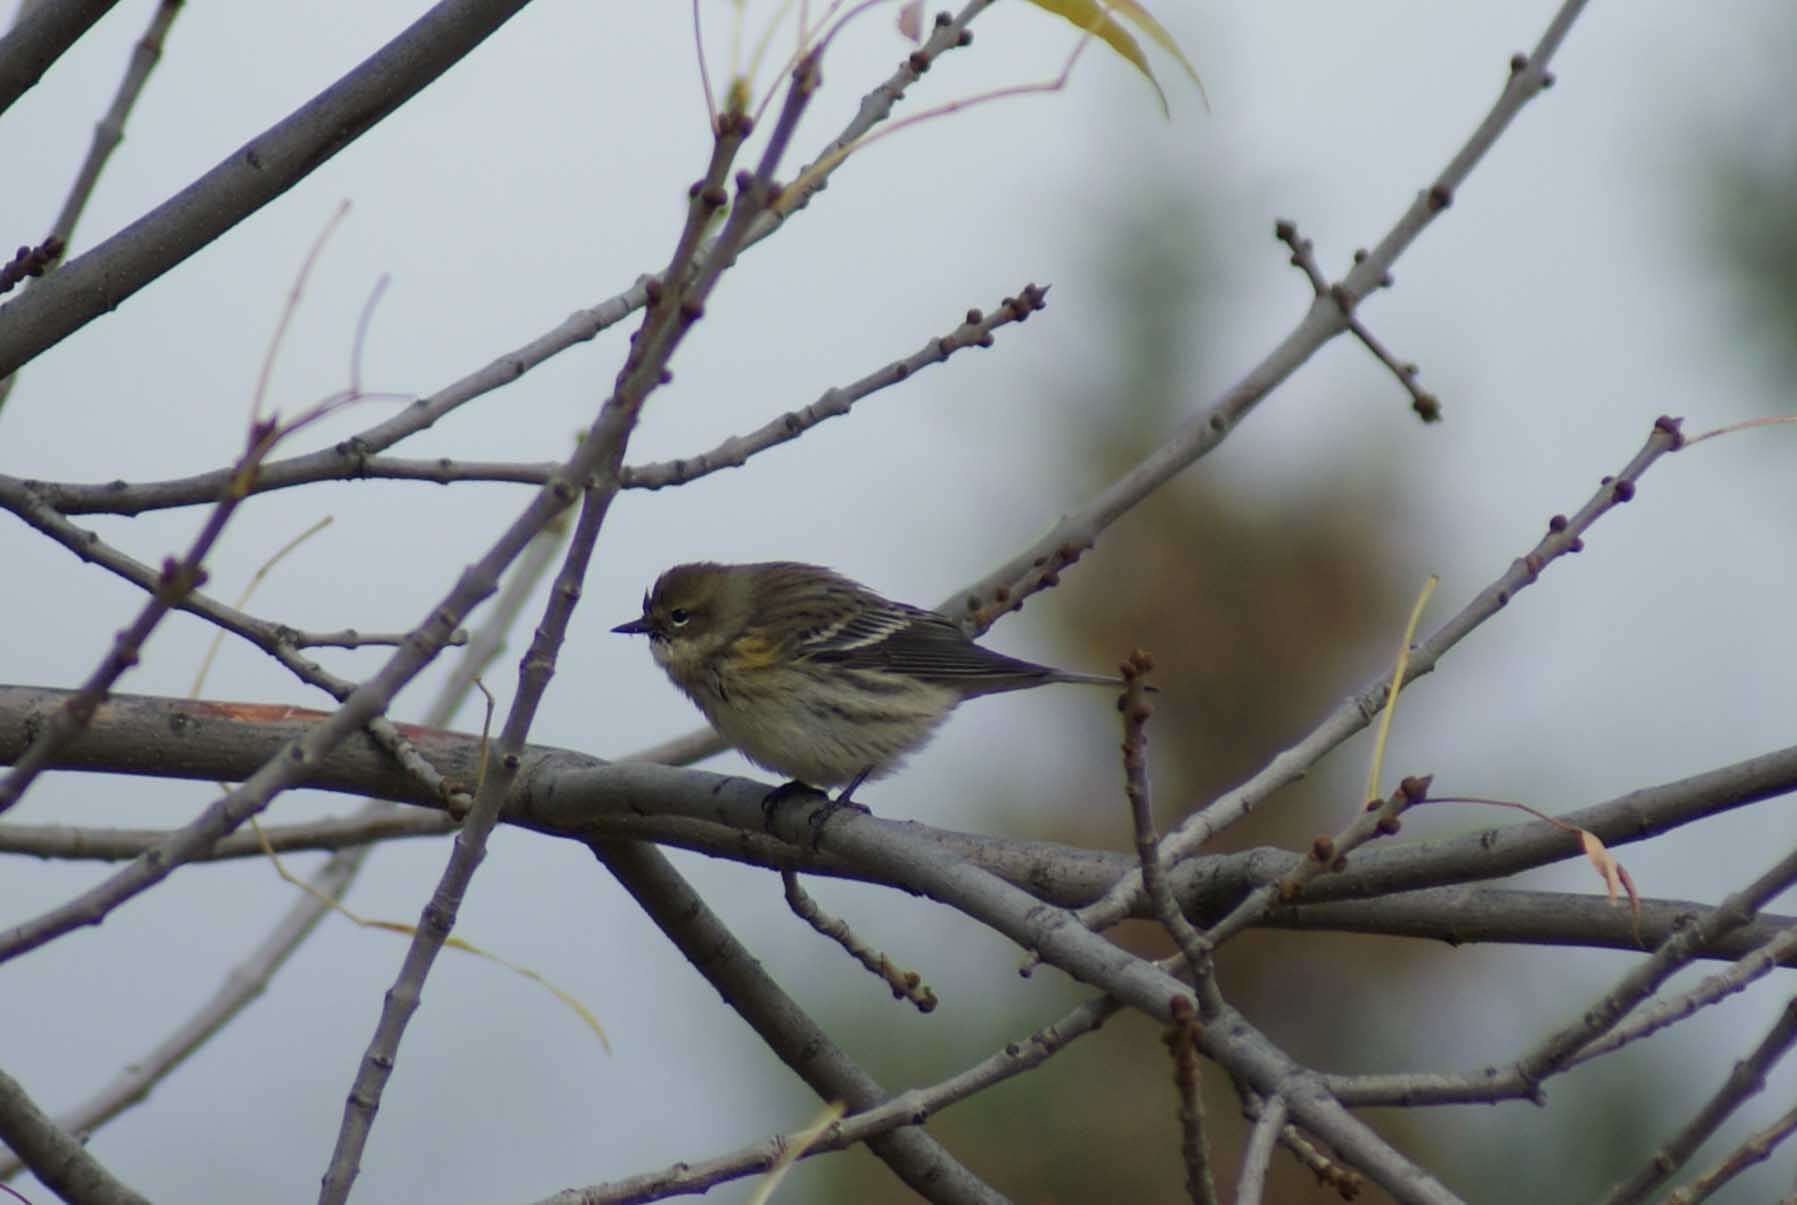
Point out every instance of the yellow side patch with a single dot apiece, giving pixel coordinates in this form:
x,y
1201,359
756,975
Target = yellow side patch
x,y
753,652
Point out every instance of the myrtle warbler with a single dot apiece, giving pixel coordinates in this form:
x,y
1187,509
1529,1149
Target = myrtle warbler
x,y
814,676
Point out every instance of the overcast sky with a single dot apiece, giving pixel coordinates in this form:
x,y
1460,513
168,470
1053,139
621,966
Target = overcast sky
x,y
1562,303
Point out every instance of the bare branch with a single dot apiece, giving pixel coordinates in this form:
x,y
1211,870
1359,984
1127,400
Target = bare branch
x,y
668,900
1061,941
571,794
1326,854
146,53
174,583
1182,1042
1564,536
1644,1022
38,38
1136,710
905,985
55,1156
913,1107
350,638
1426,404
249,178
1039,566
248,980
348,461
671,315
1557,1052
68,843
1746,1080
1251,1188
976,331
1755,1150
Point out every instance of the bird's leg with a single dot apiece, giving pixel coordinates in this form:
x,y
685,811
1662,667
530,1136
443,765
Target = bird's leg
x,y
844,799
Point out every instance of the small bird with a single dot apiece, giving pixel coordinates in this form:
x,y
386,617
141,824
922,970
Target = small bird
x,y
814,676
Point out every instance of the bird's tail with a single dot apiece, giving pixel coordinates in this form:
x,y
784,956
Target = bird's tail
x,y
1074,679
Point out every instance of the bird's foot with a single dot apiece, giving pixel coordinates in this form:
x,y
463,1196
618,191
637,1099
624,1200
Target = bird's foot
x,y
795,789
820,816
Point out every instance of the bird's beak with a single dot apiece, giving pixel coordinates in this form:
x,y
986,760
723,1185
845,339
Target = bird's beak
x,y
636,627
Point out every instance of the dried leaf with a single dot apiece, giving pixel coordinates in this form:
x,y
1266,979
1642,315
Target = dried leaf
x,y
1604,860
910,21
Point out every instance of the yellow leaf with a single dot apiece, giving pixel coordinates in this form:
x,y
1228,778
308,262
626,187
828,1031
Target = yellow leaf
x,y
1095,16
1157,33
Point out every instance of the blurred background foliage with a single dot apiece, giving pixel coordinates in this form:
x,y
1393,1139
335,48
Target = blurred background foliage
x,y
1265,590
1262,607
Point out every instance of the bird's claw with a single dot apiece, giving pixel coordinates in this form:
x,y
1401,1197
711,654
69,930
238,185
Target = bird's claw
x,y
780,794
819,816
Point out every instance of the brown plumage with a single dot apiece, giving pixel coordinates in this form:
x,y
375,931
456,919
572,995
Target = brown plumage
x,y
815,676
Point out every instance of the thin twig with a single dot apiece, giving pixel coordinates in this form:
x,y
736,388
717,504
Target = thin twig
x,y
1251,1188
666,322
332,881
178,578
274,639
1779,951
1554,1054
68,843
982,603
905,985
107,135
1326,854
1426,404
910,1108
1756,1149
296,291
1329,1172
348,461
1136,710
1181,1039
1746,1080
1564,537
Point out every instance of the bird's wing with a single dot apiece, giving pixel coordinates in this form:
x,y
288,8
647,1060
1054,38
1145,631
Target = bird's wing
x,y
923,644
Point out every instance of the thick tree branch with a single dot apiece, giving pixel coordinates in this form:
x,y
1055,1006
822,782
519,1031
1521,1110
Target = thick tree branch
x,y
253,175
575,795
1059,939
679,912
54,1155
330,882
38,38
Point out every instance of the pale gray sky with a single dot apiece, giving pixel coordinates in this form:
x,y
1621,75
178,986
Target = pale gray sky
x,y
1556,308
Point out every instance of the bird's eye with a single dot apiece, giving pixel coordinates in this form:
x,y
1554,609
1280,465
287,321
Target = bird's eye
x,y
678,616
